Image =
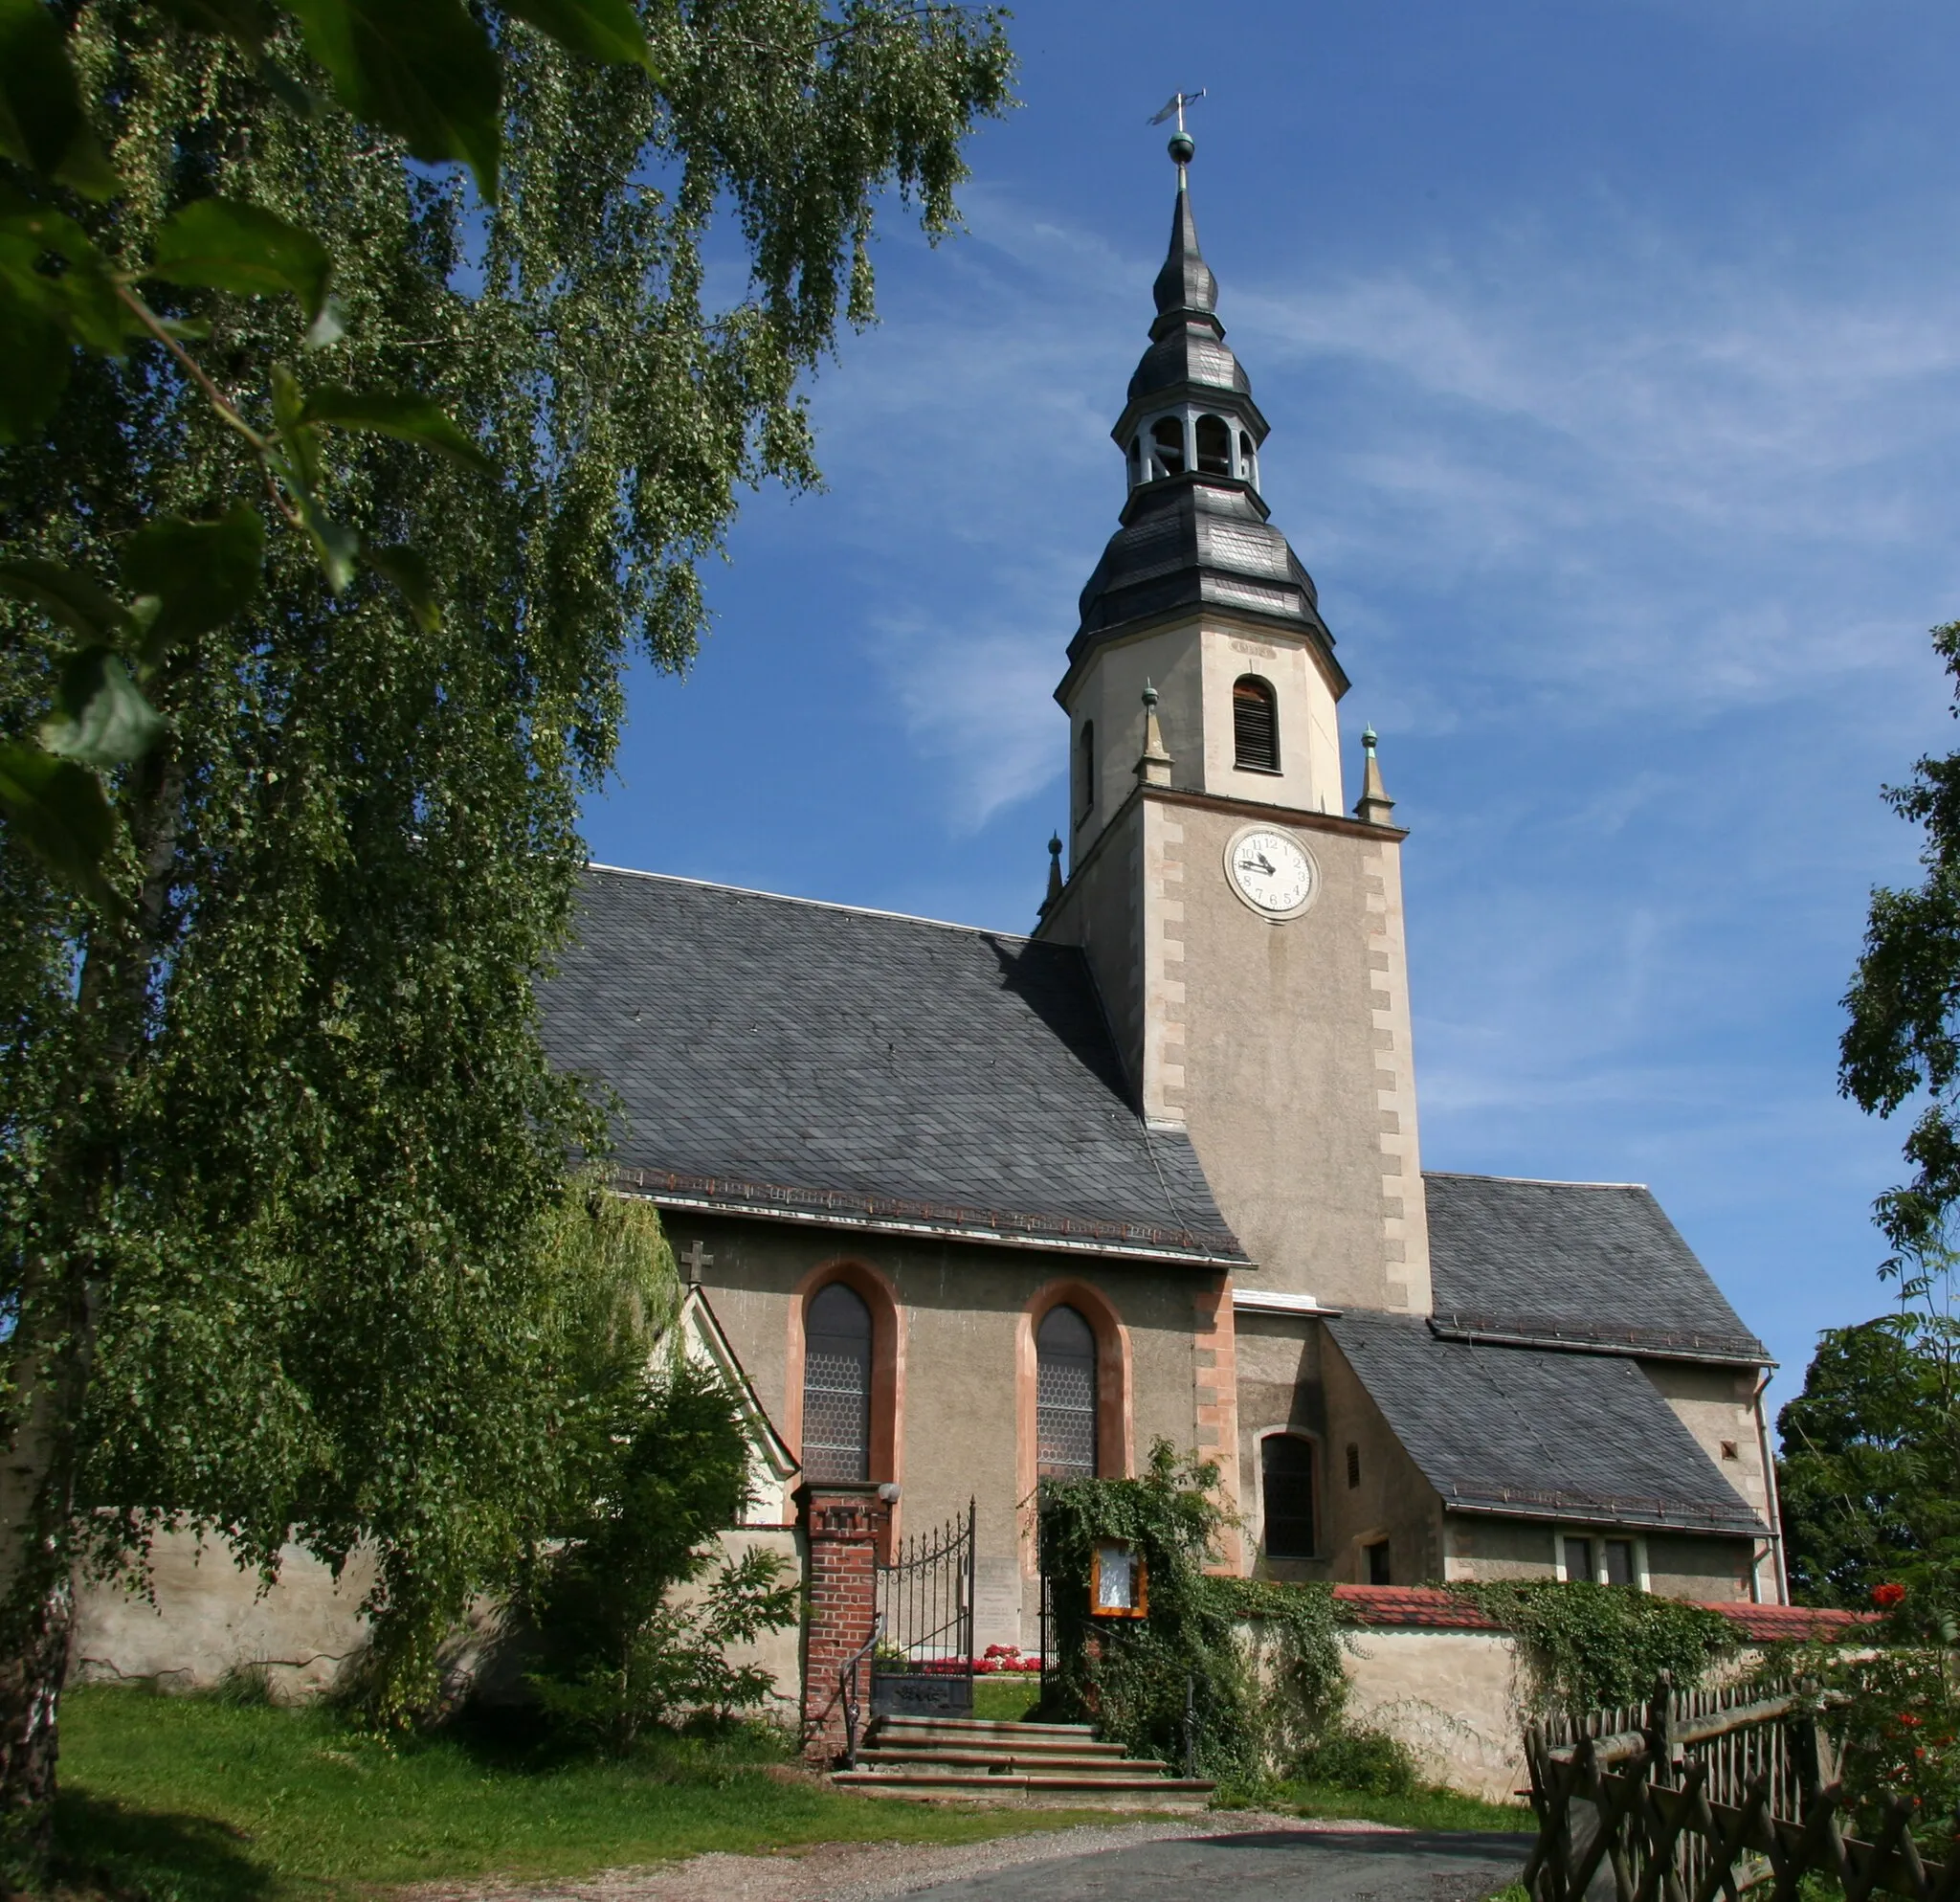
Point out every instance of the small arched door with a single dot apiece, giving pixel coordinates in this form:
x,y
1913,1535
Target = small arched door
x,y
1065,1395
837,1385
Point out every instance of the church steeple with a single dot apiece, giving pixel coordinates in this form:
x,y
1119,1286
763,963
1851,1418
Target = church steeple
x,y
1194,530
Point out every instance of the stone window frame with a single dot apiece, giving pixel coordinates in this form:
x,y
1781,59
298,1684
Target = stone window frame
x,y
1599,1535
887,1369
1317,1447
1115,1392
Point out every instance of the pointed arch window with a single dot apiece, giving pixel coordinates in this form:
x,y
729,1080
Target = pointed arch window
x,y
1254,724
1085,772
837,1385
1287,1477
1065,1395
1167,439
1215,446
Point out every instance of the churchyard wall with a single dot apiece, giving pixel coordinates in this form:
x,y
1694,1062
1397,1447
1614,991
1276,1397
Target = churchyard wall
x,y
203,1618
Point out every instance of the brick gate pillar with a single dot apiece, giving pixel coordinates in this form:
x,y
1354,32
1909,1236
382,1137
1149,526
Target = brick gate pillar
x,y
841,1523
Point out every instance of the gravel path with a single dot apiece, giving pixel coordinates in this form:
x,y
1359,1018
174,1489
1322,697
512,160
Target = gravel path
x,y
1226,1855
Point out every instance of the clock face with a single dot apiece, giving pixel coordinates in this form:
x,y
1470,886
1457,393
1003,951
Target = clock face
x,y
1272,871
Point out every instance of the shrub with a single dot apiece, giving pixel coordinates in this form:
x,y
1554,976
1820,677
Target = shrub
x,y
1371,1762
619,1650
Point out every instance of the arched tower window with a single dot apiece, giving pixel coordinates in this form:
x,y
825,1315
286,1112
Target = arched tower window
x,y
1215,446
837,1385
1085,772
1065,1395
1286,1495
1248,464
1254,724
1167,439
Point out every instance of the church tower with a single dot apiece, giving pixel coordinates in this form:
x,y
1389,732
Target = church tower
x,y
1244,930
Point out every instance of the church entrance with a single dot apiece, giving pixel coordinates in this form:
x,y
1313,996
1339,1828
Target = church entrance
x,y
924,1663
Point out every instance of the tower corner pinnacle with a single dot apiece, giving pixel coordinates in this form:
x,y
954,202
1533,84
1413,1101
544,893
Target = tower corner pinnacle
x,y
1374,807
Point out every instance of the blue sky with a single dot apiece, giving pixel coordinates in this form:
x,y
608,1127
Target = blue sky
x,y
1612,357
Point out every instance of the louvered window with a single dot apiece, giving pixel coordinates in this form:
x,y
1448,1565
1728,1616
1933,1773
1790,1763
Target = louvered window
x,y
1215,446
837,1386
1065,1395
1286,1495
1255,726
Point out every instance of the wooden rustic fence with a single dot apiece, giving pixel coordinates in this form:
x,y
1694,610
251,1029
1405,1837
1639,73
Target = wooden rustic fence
x,y
1702,1794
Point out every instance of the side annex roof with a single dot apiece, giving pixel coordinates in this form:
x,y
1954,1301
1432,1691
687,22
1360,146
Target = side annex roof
x,y
1537,1433
805,1062
1590,1265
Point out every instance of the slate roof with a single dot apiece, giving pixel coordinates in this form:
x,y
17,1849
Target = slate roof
x,y
1536,1433
854,1069
1583,1264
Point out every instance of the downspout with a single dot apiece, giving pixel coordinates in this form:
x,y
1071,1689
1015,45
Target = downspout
x,y
1775,1505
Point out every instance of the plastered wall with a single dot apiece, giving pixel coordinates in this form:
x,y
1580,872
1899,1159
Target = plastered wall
x,y
960,1427
205,1618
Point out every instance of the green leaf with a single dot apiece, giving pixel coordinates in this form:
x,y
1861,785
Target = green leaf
x,y
81,299
34,357
69,599
607,30
337,546
202,573
61,815
422,69
100,717
403,412
42,124
410,573
228,246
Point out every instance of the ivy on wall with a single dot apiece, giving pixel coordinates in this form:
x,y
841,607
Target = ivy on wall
x,y
1590,1646
1257,1700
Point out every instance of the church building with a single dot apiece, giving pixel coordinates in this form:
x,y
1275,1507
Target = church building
x,y
960,1208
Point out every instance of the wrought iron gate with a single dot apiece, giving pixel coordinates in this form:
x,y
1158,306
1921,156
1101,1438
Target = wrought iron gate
x,y
924,1663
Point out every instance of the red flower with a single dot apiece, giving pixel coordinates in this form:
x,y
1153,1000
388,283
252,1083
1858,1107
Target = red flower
x,y
1888,1594
1907,1721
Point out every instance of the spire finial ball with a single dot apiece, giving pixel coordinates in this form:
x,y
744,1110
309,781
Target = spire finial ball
x,y
1182,148
1150,694
1367,738
1054,845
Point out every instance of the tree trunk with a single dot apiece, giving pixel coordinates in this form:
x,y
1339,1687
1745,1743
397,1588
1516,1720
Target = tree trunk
x,y
50,1368
51,1352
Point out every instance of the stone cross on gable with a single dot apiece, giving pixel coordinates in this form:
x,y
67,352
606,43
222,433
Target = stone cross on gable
x,y
696,1259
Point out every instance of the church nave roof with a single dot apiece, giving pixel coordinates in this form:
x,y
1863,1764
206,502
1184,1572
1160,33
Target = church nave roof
x,y
807,1060
1590,1265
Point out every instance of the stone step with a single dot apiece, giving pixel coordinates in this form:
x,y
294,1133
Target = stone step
x,y
1030,1748
1041,1763
1032,1792
984,1727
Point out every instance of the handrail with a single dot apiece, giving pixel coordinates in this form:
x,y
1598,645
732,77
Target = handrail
x,y
847,1688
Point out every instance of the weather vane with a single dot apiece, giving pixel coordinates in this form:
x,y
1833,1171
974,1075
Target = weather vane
x,y
1182,144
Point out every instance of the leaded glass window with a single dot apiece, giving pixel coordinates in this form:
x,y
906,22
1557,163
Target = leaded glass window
x,y
1065,1395
837,1385
1287,1493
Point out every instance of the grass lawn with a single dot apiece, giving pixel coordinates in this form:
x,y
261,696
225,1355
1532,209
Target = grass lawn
x,y
1426,1809
1008,1697
191,1800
